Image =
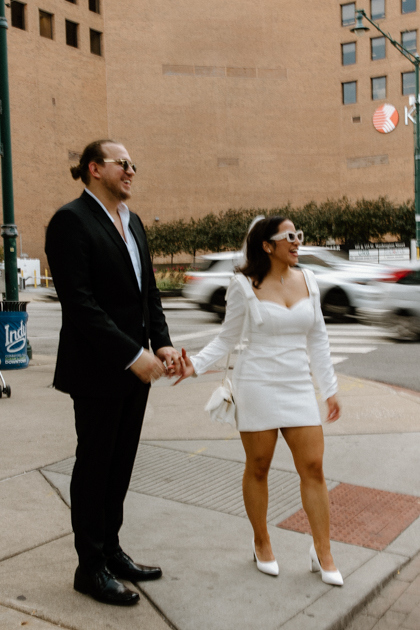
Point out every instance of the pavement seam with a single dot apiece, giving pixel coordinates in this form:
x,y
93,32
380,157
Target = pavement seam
x,y
12,606
56,490
155,607
344,621
47,542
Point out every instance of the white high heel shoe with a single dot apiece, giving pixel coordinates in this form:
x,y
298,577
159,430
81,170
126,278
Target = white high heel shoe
x,y
271,568
329,577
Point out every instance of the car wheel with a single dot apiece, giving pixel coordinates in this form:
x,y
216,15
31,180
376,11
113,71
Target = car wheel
x,y
405,326
336,305
218,302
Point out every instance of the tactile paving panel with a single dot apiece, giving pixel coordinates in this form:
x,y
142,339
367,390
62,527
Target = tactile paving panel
x,y
203,481
363,516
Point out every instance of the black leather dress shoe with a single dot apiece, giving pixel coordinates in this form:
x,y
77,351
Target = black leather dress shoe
x,y
105,588
123,567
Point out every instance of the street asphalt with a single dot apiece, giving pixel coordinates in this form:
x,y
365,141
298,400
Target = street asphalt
x,y
184,512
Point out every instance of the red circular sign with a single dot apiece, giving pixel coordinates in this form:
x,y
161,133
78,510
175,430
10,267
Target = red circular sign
x,y
385,118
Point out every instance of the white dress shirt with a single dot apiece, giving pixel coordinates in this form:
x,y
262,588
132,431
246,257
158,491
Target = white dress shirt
x,y
131,245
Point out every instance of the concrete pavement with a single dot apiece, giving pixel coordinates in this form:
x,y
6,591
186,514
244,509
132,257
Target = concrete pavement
x,y
184,511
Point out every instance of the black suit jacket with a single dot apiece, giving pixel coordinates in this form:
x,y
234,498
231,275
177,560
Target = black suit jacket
x,y
103,309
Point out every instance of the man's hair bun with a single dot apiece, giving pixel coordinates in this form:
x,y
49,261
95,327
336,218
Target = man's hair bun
x,y
76,171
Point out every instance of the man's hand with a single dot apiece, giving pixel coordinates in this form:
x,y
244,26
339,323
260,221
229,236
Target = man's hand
x,y
172,358
187,367
148,367
334,410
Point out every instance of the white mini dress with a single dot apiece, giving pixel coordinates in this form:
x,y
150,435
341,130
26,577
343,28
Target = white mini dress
x,y
272,382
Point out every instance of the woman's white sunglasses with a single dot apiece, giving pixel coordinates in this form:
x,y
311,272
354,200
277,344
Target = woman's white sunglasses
x,y
291,236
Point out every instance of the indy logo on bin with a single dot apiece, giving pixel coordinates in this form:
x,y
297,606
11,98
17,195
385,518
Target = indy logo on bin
x,y
15,339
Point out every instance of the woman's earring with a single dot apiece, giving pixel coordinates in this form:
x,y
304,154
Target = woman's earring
x,y
268,251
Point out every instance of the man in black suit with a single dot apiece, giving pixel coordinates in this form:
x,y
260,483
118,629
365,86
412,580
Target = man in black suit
x,y
99,260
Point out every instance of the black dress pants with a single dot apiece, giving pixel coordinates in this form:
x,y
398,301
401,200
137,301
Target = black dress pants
x,y
108,433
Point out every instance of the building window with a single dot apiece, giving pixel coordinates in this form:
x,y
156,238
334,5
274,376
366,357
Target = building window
x,y
45,24
348,54
408,6
72,1
409,41
349,92
377,48
348,14
94,6
408,83
377,9
71,34
378,88
95,42
18,14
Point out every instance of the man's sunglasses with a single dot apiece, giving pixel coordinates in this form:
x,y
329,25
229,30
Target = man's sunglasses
x,y
124,163
291,236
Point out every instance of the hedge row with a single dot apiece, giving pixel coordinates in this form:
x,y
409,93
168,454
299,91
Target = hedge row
x,y
346,222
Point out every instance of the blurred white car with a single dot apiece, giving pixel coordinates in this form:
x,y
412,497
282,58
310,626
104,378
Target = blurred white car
x,y
342,284
393,301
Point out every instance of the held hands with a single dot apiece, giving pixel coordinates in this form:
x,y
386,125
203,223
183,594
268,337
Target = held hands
x,y
150,367
187,367
334,410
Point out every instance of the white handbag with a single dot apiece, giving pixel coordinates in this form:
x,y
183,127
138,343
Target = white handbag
x,y
221,405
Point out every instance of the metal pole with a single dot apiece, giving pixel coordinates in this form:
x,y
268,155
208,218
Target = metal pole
x,y
417,162
8,229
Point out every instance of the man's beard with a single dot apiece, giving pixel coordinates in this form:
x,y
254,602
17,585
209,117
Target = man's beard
x,y
116,191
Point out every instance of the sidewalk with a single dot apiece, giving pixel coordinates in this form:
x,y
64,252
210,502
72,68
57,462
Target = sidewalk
x,y
184,511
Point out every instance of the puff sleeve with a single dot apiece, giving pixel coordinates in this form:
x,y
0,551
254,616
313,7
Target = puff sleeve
x,y
230,333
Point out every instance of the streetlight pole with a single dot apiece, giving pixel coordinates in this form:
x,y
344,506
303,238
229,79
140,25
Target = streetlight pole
x,y
359,29
8,229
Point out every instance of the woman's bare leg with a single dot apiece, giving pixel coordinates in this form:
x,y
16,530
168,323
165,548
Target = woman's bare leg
x,y
259,448
307,446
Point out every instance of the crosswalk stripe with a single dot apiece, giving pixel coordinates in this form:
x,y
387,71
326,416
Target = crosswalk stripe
x,y
359,333
352,349
356,340
335,360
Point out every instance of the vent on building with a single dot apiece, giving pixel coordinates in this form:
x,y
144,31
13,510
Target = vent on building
x,y
357,119
74,156
223,162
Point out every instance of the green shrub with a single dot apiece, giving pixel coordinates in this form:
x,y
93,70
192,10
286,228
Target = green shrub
x,y
341,220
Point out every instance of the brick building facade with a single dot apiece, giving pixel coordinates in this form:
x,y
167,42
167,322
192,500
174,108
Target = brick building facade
x,y
221,104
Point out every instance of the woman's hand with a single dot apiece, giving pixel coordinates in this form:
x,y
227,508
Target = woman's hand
x,y
334,409
187,368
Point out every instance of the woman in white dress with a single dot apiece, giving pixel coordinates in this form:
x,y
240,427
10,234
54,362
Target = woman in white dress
x,y
276,308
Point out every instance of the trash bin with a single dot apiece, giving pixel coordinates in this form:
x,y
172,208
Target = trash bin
x,y
13,339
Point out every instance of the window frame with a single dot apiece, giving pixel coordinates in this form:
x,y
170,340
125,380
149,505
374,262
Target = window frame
x,y
411,10
372,39
346,4
403,74
91,32
76,32
406,33
380,98
342,54
43,13
15,4
344,83
97,6
375,17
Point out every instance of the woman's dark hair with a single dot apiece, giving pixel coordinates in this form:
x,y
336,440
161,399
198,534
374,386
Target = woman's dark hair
x,y
258,262
92,153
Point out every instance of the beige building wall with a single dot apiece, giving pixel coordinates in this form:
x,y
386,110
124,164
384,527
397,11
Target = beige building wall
x,y
58,104
221,104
